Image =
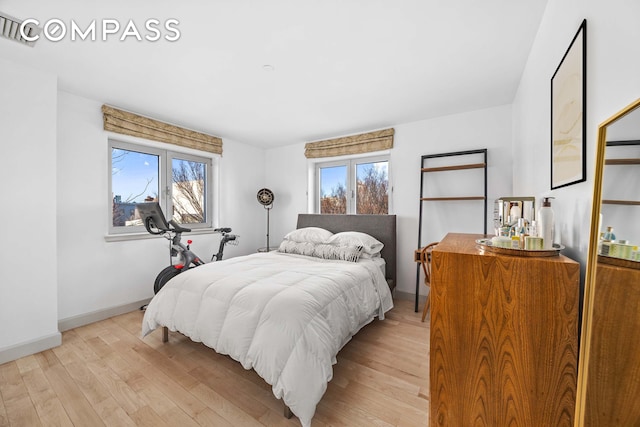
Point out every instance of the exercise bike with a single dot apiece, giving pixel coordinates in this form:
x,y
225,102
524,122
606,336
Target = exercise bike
x,y
156,223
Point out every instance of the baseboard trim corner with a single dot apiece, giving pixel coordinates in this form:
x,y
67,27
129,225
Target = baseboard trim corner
x,y
408,296
96,316
8,354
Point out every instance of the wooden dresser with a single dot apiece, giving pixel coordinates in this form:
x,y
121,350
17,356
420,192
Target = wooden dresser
x,y
504,337
613,380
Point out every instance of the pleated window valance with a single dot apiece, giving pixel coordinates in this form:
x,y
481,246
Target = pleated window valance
x,y
134,125
354,144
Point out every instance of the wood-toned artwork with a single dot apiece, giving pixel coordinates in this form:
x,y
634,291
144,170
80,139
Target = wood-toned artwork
x,y
504,337
568,111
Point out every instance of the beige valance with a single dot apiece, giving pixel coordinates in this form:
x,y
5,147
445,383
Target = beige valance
x,y
134,125
354,144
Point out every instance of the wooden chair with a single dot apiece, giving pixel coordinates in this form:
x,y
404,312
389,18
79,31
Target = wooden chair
x,y
425,260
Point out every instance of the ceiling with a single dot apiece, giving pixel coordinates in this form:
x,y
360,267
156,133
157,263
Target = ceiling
x,y
338,67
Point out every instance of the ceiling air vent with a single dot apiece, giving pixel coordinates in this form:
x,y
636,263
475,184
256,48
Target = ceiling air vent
x,y
10,29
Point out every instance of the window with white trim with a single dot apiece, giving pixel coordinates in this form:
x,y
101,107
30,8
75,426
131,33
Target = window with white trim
x,y
353,186
181,183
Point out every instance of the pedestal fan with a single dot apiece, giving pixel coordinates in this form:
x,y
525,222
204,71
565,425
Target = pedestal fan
x,y
265,198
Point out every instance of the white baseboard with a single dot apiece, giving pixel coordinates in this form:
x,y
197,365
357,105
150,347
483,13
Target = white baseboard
x,y
8,354
408,296
96,316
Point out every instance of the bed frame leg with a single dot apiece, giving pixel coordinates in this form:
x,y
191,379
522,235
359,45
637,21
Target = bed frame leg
x,y
165,334
287,411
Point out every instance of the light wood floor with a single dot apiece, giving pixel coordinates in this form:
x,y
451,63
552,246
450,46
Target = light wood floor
x,y
104,374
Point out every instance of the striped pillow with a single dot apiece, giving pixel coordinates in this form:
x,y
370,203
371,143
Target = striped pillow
x,y
322,250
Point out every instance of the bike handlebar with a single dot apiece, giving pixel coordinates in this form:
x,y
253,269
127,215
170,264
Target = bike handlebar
x,y
152,228
150,225
177,228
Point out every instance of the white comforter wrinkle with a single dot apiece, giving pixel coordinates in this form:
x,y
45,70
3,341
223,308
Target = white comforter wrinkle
x,y
300,337
284,316
247,361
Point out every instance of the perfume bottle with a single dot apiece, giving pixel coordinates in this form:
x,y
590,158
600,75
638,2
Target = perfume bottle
x,y
606,242
521,231
518,232
608,235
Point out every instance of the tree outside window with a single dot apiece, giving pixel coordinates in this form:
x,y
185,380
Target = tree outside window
x,y
372,188
134,179
366,193
188,192
178,182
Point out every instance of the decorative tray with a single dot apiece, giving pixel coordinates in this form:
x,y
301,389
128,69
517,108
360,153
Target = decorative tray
x,y
488,245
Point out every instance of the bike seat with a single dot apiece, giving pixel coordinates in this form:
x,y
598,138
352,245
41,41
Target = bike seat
x,y
222,230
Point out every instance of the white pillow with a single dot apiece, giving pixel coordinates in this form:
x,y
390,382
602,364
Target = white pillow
x,y
309,234
371,245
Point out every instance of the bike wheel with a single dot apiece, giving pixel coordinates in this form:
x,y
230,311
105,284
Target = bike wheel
x,y
164,276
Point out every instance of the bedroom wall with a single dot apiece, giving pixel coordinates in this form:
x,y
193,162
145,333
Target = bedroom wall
x,y
68,215
28,278
96,275
287,175
612,83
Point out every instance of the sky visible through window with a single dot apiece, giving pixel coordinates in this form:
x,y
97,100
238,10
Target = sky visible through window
x,y
131,171
361,168
331,177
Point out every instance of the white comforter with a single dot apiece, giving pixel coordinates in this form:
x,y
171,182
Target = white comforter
x,y
285,316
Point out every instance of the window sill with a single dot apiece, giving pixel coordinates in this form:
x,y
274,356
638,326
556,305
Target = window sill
x,y
142,236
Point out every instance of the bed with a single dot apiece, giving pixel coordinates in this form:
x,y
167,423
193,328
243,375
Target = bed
x,y
286,315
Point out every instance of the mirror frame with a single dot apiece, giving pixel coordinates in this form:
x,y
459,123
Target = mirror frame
x,y
592,257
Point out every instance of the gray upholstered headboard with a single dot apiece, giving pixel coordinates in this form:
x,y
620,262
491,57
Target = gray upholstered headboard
x,y
382,227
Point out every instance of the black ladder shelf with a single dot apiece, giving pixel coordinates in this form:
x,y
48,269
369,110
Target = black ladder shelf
x,y
622,162
423,199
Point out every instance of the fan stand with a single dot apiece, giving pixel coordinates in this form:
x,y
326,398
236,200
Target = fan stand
x,y
268,208
265,198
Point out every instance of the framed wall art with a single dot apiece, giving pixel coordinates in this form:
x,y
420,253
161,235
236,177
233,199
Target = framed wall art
x,y
568,113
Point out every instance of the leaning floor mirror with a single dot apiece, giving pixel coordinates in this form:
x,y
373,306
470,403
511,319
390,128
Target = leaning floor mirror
x,y
609,370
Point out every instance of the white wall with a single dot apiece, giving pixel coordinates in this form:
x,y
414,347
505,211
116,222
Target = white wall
x,y
242,174
613,35
287,175
64,207
94,274
28,277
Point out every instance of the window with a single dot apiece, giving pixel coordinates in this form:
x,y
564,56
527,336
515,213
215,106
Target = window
x,y
179,182
359,186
